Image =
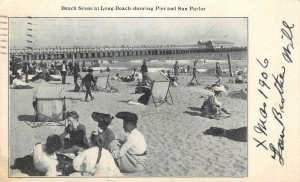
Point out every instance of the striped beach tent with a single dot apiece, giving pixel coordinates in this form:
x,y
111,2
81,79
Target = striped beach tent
x,y
50,105
160,88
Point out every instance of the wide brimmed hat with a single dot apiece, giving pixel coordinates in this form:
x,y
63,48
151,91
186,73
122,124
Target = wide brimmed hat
x,y
103,118
127,116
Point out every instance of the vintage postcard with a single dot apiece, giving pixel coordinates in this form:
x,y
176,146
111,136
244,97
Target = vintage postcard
x,y
142,91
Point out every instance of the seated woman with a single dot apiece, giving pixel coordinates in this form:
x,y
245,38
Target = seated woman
x,y
44,155
139,99
131,154
129,78
44,75
104,131
18,83
211,108
95,161
117,77
77,134
239,79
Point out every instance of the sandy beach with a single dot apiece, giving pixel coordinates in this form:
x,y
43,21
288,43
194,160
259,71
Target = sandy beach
x,y
176,145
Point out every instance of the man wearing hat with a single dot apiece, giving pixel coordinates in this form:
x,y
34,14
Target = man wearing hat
x,y
88,80
104,131
131,156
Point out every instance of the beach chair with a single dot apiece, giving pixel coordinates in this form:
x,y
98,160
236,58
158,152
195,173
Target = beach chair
x,y
160,88
50,105
102,82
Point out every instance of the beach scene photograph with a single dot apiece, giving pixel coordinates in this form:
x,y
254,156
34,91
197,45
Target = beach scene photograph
x,y
128,97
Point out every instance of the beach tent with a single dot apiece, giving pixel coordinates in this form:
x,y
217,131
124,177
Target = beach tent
x,y
50,105
160,88
102,82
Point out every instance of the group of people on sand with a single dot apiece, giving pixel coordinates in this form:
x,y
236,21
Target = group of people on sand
x,y
139,76
104,155
192,70
218,73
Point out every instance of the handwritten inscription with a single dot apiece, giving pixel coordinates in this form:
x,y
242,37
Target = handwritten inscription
x,y
287,34
276,111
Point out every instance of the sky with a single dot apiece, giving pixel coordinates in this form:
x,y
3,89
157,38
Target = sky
x,y
69,32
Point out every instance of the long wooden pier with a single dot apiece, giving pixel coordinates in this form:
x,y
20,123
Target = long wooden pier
x,y
81,53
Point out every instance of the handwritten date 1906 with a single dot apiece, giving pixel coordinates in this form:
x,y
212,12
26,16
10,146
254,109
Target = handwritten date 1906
x,y
277,110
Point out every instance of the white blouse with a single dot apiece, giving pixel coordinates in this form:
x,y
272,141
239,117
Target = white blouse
x,y
44,162
135,143
86,162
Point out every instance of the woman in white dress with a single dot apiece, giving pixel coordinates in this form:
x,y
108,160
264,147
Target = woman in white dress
x,y
44,155
95,161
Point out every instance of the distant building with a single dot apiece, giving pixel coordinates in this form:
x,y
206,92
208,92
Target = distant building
x,y
216,44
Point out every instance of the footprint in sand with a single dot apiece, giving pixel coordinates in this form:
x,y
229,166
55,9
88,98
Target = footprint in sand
x,y
166,169
223,167
174,159
219,171
167,162
216,154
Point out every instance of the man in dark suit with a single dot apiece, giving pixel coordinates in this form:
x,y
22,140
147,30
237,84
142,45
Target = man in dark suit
x,y
89,81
